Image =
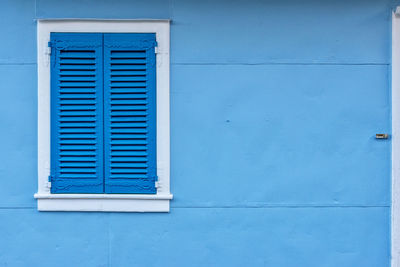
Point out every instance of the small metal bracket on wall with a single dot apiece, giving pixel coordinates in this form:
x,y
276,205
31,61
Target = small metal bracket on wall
x,y
397,11
381,136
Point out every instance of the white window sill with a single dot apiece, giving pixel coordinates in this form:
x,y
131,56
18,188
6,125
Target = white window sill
x,y
103,202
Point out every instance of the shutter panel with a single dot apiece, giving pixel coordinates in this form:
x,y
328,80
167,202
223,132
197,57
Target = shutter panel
x,y
130,113
77,113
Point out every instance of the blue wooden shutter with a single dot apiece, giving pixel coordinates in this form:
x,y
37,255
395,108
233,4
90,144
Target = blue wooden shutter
x,y
77,113
130,113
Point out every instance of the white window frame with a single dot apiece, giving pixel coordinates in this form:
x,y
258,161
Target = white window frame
x,y
104,202
395,231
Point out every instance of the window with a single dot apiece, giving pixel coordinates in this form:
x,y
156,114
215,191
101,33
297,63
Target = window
x,y
103,109
103,115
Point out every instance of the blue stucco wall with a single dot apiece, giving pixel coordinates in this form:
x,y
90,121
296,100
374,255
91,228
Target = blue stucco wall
x,y
274,107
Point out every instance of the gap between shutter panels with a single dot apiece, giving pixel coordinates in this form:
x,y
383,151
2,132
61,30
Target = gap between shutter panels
x,y
104,115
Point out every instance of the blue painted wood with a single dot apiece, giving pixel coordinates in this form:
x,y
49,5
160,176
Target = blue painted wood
x,y
130,113
76,113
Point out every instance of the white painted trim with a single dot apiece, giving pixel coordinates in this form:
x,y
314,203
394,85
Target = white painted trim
x,y
102,196
48,201
103,205
103,202
96,19
395,235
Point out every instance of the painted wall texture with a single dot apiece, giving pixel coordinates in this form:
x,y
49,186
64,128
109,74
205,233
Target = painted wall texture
x,y
274,108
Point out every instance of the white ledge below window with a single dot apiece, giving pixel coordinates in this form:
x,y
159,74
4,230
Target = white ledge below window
x,y
103,202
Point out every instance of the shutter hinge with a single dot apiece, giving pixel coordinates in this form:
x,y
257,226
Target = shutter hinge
x,y
49,46
48,183
157,183
47,52
156,50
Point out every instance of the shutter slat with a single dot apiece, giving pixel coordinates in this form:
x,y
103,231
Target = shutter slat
x,y
128,170
128,142
76,141
78,119
77,177
77,61
77,96
128,90
129,119
128,54
122,73
77,136
78,159
128,153
77,78
77,55
127,96
128,107
132,84
76,84
80,73
77,148
115,67
78,164
76,107
129,165
128,147
129,125
129,113
128,136
78,125
78,90
77,130
84,68
77,113
127,61
129,159
129,130
78,153
128,176
132,78
126,102
77,101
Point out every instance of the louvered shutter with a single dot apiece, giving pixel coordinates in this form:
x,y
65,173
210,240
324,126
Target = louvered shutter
x,y
130,113
77,113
